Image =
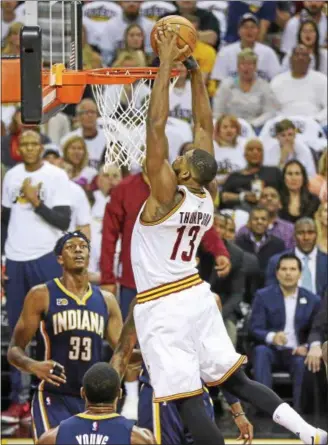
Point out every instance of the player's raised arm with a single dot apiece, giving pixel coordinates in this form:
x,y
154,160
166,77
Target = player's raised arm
x,y
35,305
115,322
162,179
201,109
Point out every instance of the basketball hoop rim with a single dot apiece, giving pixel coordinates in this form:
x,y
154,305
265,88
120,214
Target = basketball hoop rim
x,y
138,73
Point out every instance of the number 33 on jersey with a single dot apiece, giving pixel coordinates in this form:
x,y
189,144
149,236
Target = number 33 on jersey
x,y
165,251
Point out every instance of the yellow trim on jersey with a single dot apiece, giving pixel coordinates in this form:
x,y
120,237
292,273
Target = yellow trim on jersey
x,y
240,361
167,216
170,288
46,340
209,397
182,395
157,422
43,410
97,416
80,301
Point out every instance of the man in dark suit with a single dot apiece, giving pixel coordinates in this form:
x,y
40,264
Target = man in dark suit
x,y
232,287
280,323
258,241
315,263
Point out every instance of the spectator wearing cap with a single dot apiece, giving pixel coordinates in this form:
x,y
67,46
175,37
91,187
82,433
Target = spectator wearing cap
x,y
312,10
315,263
36,209
226,64
281,320
301,91
112,37
284,230
247,96
209,27
265,13
288,146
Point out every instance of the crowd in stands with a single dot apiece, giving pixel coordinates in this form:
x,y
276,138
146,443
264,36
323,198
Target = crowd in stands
x,y
265,67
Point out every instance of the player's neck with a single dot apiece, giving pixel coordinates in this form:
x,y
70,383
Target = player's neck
x,y
34,167
77,284
100,409
194,188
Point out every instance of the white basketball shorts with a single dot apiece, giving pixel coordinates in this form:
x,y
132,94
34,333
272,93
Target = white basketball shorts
x,y
183,340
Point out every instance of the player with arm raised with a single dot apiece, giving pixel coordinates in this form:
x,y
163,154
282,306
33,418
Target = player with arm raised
x,y
176,319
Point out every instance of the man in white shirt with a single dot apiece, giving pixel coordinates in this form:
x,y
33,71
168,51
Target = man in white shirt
x,y
288,146
36,207
301,91
280,323
113,34
226,61
93,136
313,10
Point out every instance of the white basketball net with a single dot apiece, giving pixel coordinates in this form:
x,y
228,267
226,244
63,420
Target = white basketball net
x,y
123,110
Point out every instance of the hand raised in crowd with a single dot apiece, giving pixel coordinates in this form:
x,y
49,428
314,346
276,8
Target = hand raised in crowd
x,y
279,339
31,193
166,40
313,358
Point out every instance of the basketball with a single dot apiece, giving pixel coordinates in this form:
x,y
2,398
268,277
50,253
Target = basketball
x,y
187,33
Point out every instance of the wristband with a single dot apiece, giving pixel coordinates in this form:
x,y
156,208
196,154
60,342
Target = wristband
x,y
238,414
190,63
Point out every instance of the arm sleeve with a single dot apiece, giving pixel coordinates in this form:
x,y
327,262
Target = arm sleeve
x,y
112,227
58,217
213,244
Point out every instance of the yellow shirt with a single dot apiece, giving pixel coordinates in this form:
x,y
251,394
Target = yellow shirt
x,y
205,55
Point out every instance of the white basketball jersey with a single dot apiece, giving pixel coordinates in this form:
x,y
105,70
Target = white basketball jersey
x,y
165,251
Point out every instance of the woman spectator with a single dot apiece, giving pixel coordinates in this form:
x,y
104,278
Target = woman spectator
x,y
308,35
12,41
228,146
91,59
134,41
318,184
321,220
10,154
247,96
243,188
75,153
296,199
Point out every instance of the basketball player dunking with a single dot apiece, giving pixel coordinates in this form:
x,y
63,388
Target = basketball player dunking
x,y
74,318
181,334
99,423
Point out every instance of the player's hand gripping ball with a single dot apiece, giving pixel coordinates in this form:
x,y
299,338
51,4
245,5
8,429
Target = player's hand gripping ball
x,y
185,31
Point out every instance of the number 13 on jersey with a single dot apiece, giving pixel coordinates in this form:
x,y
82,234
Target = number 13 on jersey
x,y
186,255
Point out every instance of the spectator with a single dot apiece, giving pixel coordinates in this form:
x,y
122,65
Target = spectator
x,y
204,53
283,14
284,230
12,41
296,199
248,97
96,14
315,263
313,10
264,12
209,27
321,220
308,35
93,136
180,95
36,209
134,41
242,189
232,287
318,184
282,315
113,34
258,241
288,146
10,154
91,59
75,153
318,334
301,91
57,127
226,61
105,182
228,146
80,206
153,10
9,15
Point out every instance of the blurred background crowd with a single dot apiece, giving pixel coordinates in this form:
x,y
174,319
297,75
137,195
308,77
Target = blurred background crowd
x,y
265,67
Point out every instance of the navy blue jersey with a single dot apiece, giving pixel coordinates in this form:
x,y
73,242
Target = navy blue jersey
x,y
86,429
73,330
